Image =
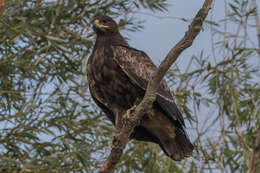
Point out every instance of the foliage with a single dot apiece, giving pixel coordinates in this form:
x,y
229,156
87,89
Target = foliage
x,y
48,122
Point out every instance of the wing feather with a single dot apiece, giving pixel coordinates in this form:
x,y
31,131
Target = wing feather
x,y
95,95
139,68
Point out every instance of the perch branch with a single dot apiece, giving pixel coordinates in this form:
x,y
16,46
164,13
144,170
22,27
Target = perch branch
x,y
119,140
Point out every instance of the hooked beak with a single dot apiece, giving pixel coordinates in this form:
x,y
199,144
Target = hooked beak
x,y
97,24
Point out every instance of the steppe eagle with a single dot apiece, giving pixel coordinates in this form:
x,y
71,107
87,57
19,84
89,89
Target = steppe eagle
x,y
118,75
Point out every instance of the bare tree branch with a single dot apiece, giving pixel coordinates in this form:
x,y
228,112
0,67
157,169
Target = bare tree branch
x,y
2,6
257,23
129,122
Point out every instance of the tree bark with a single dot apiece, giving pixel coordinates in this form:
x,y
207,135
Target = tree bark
x,y
135,114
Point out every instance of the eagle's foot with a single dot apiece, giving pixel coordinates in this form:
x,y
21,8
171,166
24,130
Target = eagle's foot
x,y
130,111
128,119
127,115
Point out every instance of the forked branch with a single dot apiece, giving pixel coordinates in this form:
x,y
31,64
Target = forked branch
x,y
119,141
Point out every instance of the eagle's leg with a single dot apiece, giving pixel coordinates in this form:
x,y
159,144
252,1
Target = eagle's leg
x,y
118,120
120,117
118,124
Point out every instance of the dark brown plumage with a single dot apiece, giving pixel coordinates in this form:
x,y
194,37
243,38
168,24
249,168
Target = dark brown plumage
x,y
118,75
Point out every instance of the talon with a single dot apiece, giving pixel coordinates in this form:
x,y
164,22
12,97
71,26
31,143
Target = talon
x,y
129,111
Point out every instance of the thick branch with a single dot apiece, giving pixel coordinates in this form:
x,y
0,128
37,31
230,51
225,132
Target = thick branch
x,y
119,140
2,6
257,23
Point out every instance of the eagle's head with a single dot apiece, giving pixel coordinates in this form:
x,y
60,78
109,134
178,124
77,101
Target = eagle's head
x,y
104,25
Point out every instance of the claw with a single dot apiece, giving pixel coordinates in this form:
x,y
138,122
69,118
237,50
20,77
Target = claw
x,y
129,111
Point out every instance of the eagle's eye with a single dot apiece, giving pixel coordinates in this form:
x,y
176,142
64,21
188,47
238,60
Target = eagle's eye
x,y
104,21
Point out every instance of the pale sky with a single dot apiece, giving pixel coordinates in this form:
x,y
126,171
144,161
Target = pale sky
x,y
160,34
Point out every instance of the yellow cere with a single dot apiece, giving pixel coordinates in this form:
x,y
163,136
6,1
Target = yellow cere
x,y
100,25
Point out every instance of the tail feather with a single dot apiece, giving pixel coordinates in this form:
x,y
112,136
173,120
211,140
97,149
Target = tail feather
x,y
179,147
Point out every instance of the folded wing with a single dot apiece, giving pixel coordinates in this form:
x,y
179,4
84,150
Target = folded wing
x,y
139,68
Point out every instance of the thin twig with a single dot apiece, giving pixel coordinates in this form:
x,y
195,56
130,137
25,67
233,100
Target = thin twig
x,y
119,140
257,23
